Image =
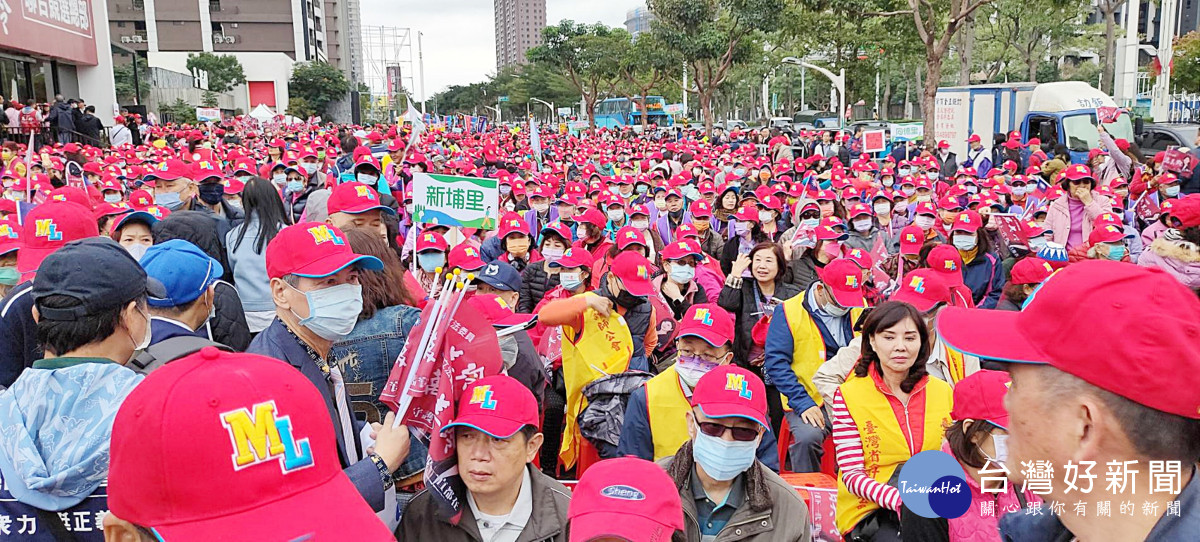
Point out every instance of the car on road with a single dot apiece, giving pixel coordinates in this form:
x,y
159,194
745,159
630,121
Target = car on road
x,y
1156,137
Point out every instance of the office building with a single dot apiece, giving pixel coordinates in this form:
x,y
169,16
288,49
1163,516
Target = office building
x,y
519,25
637,20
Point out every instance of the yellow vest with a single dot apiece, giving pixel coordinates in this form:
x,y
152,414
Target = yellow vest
x,y
601,348
667,409
808,348
955,364
884,445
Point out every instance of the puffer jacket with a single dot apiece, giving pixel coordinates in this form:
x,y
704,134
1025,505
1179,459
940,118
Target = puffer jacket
x,y
985,277
547,522
229,324
535,282
1177,257
639,319
771,512
973,526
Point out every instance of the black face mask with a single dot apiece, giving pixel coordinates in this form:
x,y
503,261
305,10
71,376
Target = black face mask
x,y
211,193
628,300
676,215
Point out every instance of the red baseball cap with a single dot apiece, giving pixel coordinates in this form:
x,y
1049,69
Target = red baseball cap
x,y
1030,270
169,170
496,310
707,321
1077,172
431,240
700,209
140,199
980,396
48,227
923,289
498,405
355,198
1086,320
634,271
574,257
686,231
10,236
945,260
313,249
843,279
628,498
629,235
593,217
912,238
1187,211
730,391
968,221
682,249
973,138
232,477
465,257
1106,234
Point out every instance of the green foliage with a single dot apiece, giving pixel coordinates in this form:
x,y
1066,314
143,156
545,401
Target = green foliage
x,y
300,108
316,84
1185,73
1013,36
589,55
224,71
178,112
209,99
123,74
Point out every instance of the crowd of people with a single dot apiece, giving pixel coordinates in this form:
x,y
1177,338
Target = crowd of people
x,y
198,326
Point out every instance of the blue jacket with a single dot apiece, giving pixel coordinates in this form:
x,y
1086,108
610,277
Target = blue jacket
x,y
985,277
19,346
162,329
637,441
1047,527
250,267
276,342
59,467
777,359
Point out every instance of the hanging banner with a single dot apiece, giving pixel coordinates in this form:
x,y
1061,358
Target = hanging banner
x,y
468,202
874,141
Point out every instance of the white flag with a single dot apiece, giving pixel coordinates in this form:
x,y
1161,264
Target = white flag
x,y
418,126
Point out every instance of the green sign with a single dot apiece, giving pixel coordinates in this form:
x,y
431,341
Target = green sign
x,y
468,202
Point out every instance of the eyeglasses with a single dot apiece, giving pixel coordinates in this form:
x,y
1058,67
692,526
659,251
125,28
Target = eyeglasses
x,y
702,357
740,434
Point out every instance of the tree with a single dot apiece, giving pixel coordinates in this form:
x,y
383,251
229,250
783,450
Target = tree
x,y
1017,30
712,36
317,83
645,64
300,108
1185,67
588,54
177,112
123,74
224,71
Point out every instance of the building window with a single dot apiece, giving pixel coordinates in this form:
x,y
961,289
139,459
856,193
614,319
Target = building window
x,y
214,5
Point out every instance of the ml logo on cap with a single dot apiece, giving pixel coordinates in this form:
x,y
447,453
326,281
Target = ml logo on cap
x,y
482,396
703,316
852,281
624,493
642,272
918,284
737,382
362,191
45,227
322,234
258,435
950,266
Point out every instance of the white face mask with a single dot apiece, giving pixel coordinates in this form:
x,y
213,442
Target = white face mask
x,y
145,340
924,222
765,216
541,207
1000,441
882,209
616,215
862,224
641,224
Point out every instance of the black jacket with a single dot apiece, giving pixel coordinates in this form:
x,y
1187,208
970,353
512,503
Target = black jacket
x,y
535,282
90,127
19,346
742,305
61,116
229,324
639,321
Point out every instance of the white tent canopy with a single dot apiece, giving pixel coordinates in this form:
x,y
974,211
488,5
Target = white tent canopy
x,y
262,113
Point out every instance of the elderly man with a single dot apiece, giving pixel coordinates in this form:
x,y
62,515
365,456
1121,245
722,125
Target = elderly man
x,y
496,438
356,205
1092,393
314,284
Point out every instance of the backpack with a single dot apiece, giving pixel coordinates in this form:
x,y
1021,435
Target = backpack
x,y
29,119
159,354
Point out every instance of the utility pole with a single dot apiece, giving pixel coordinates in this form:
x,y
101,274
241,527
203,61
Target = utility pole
x,y
685,90
421,67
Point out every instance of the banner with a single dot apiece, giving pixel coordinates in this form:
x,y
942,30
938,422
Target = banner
x,y
673,109
535,141
205,114
1010,228
1107,114
874,141
468,202
1146,208
1178,162
910,131
564,111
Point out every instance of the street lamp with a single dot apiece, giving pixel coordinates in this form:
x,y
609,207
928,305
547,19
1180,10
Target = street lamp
x,y
496,108
839,83
543,102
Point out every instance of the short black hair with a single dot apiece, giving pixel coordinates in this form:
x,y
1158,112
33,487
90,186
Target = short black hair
x,y
59,337
528,430
349,143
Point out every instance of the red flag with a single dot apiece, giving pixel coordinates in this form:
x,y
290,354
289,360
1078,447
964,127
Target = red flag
x,y
1010,228
1146,208
1107,114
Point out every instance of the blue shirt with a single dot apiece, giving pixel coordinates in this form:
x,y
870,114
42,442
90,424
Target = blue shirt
x,y
713,516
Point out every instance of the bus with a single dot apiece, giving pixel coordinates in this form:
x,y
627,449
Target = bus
x,y
618,112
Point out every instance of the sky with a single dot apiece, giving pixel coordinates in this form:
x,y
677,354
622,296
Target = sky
x,y
458,41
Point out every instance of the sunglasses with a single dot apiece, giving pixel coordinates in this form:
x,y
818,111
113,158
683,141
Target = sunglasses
x,y
740,434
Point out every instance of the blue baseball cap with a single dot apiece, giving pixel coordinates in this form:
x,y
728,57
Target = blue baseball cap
x,y
501,276
185,271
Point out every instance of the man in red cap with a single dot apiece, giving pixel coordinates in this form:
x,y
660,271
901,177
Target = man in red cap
x,y
1089,388
977,157
1026,275
356,205
496,438
626,498
721,485
806,331
259,459
314,284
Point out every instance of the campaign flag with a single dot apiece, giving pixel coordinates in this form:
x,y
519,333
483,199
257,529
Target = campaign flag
x,y
1010,228
873,141
535,141
1146,208
418,126
1176,161
1107,114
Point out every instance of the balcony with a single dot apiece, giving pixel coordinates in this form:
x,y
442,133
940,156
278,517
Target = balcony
x,y
134,38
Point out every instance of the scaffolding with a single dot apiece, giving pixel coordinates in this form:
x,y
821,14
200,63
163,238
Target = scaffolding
x,y
388,68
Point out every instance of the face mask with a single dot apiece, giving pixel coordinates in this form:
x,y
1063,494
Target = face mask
x,y
934,175
972,189
1001,444
924,222
169,200
571,281
862,224
642,189
614,190
510,206
640,224
211,193
1019,190
145,339
9,276
882,209
722,459
903,171
660,204
888,181
112,198
682,274
810,222
741,229
279,179
137,250
552,254
628,300
295,185
616,215
505,189
727,168
309,167
691,368
581,232
333,311
766,216
964,242
739,172
235,203
1116,252
908,191
430,261
245,178
1171,191
541,207
367,179
1037,243
518,247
